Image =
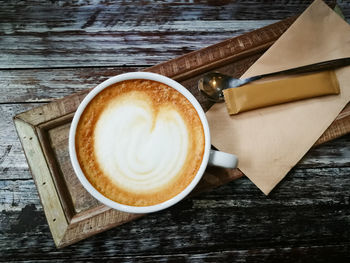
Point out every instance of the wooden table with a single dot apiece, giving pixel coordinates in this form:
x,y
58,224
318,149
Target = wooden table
x,y
52,49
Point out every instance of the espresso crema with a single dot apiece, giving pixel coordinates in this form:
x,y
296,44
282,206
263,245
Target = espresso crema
x,y
140,142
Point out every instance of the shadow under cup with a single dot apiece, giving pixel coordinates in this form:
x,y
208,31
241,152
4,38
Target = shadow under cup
x,y
169,129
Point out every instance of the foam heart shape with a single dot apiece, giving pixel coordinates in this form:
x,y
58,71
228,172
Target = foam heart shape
x,y
140,148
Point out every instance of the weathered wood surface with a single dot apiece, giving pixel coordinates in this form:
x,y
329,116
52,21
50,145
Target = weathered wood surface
x,y
45,85
308,211
306,218
114,33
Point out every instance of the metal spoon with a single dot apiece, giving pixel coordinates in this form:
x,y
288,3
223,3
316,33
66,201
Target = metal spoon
x,y
212,84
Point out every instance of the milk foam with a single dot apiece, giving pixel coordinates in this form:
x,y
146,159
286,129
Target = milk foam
x,y
139,150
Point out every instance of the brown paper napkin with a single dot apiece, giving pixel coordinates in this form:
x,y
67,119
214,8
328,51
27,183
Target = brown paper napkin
x,y
270,141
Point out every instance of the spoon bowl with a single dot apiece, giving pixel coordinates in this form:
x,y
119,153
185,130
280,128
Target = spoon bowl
x,y
212,84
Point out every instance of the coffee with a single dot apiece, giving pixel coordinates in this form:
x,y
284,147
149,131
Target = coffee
x,y
139,142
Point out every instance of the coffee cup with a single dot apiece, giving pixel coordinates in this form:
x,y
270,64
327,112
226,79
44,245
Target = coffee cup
x,y
140,142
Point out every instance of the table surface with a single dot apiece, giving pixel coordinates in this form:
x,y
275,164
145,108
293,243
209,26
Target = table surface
x,y
50,49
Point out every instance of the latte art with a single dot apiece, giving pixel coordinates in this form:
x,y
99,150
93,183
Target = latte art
x,y
139,150
139,142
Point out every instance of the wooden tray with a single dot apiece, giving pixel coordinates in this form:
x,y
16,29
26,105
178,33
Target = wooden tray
x,y
71,212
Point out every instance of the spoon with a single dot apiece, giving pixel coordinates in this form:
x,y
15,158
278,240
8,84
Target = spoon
x,y
212,84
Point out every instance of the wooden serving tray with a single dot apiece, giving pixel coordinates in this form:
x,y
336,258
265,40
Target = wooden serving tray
x,y
71,212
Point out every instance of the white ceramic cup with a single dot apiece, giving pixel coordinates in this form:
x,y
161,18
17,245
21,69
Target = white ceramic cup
x,y
210,157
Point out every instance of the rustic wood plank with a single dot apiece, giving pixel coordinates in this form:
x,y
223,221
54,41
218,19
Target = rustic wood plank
x,y
45,85
312,186
77,13
234,217
100,33
112,48
301,187
46,187
15,195
329,253
340,126
13,164
72,191
328,154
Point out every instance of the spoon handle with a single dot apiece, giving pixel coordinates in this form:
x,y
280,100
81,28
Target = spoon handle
x,y
335,63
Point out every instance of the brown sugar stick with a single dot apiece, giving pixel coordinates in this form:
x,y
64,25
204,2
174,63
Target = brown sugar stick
x,y
262,94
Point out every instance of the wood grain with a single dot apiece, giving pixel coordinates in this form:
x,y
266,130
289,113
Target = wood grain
x,y
13,164
45,85
59,34
338,127
37,163
224,219
304,179
305,219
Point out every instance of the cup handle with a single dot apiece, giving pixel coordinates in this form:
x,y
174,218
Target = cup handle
x,y
222,159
